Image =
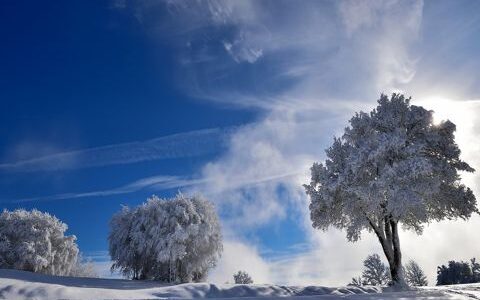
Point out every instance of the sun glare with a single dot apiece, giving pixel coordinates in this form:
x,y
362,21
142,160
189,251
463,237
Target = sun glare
x,y
461,113
443,108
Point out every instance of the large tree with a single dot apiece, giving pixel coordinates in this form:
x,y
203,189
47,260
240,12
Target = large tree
x,y
391,166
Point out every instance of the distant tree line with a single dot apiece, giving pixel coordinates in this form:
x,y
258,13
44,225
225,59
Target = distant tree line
x,y
376,273
458,272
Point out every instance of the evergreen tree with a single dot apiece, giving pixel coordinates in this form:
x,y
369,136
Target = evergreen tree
x,y
414,275
242,277
375,272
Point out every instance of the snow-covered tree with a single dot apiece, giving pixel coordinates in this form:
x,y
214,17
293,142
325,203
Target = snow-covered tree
x,y
414,275
242,277
391,166
35,241
375,272
175,240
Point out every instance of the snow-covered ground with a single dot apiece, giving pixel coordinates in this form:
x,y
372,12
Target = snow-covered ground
x,y
24,285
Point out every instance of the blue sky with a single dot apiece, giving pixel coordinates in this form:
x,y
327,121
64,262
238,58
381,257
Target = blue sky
x,y
105,103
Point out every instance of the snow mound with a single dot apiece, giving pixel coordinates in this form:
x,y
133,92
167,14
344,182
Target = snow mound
x,y
25,285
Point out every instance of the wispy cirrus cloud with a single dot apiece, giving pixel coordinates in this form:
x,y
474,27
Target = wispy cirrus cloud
x,y
187,144
158,183
154,183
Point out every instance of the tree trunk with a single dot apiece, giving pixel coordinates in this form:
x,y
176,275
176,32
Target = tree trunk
x,y
387,234
396,269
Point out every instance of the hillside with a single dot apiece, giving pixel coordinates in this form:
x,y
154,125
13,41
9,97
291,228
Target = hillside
x,y
24,285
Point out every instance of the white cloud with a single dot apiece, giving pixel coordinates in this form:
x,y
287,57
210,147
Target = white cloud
x,y
316,265
332,261
240,256
240,53
323,51
440,243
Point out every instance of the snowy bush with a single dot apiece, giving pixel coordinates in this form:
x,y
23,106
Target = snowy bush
x,y
242,277
392,166
414,275
35,241
176,240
